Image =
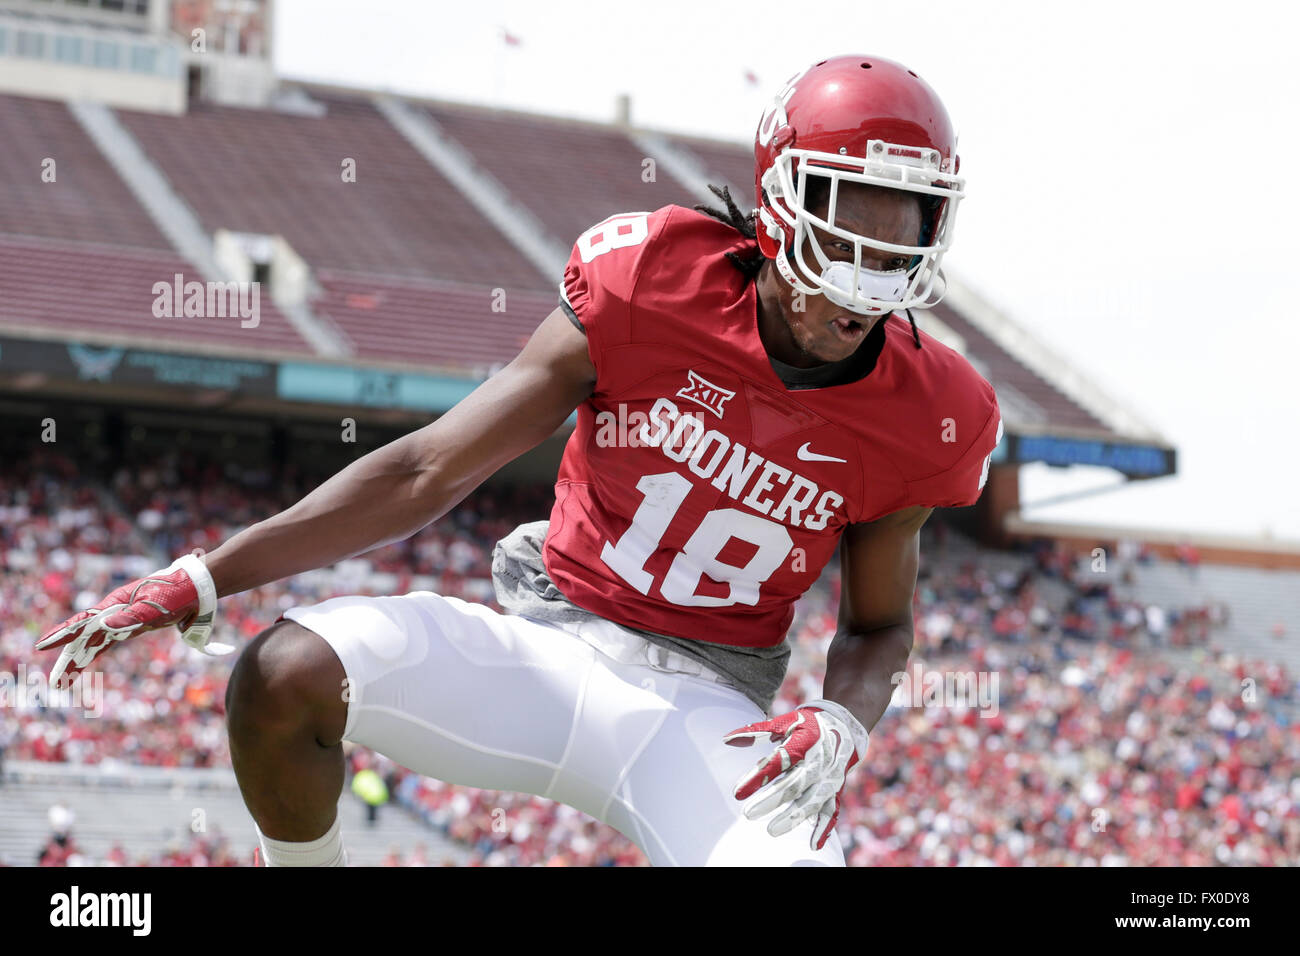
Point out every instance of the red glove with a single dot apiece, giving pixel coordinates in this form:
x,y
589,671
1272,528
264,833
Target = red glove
x,y
182,594
820,743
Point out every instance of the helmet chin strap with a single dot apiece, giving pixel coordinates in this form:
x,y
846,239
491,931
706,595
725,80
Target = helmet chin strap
x,y
787,272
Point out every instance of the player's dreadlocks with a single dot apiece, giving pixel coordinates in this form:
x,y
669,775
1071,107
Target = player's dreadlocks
x,y
747,226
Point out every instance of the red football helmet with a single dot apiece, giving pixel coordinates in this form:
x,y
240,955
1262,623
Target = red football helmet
x,y
861,119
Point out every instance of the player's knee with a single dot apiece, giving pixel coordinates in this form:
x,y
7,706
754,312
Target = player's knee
x,y
287,681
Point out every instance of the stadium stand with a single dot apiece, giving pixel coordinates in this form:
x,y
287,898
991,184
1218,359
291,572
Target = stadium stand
x,y
1095,708
401,233
91,204
100,292
435,322
79,256
570,174
170,813
268,172
727,164
1007,373
1261,606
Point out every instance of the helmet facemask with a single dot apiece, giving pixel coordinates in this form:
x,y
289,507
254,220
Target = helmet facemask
x,y
853,285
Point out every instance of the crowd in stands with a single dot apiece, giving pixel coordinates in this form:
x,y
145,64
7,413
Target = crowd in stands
x,y
48,508
1097,753
1099,750
1095,612
180,504
61,848
197,850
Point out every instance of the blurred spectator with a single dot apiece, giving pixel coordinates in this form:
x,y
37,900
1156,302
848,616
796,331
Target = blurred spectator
x,y
369,787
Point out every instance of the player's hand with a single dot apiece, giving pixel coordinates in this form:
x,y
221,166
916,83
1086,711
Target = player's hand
x,y
182,594
819,743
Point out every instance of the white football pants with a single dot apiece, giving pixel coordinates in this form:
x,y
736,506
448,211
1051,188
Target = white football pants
x,y
589,714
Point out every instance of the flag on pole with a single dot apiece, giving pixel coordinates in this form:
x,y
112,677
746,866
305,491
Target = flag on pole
x,y
510,38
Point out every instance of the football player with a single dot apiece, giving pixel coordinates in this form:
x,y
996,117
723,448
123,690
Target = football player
x,y
779,403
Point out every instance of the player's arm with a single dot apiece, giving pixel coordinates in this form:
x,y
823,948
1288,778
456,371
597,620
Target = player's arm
x,y
878,562
822,740
396,490
383,497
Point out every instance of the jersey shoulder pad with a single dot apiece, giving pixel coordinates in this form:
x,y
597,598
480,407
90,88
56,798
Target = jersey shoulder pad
x,y
603,269
964,409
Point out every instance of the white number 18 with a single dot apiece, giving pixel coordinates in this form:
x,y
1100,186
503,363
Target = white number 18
x,y
663,495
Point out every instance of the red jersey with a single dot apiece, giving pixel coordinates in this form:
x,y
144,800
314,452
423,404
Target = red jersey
x,y
699,496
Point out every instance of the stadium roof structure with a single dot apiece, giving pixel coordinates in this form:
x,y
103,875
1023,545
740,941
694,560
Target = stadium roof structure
x,y
409,246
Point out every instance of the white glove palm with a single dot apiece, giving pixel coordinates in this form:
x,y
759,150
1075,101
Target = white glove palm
x,y
182,594
819,743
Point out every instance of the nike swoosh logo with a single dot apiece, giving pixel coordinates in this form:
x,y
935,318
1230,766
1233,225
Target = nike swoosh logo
x,y
806,455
